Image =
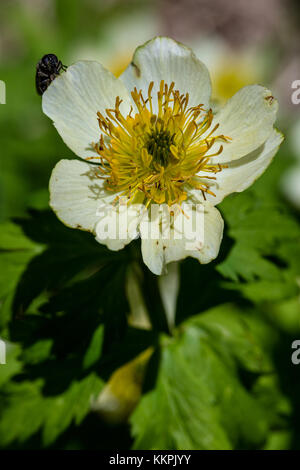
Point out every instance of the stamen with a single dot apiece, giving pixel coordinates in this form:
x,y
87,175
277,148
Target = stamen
x,y
158,152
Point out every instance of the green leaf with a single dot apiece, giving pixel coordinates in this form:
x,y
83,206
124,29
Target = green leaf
x,y
16,251
12,266
266,250
38,352
22,411
258,223
12,237
93,352
69,254
73,405
13,364
246,263
285,315
199,400
247,337
267,291
25,410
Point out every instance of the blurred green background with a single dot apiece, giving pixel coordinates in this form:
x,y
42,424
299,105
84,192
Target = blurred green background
x,y
241,42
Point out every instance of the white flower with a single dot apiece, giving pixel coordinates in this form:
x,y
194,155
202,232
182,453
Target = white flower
x,y
153,138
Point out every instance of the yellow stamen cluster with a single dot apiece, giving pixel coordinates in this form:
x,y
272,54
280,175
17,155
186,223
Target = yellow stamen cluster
x,y
157,153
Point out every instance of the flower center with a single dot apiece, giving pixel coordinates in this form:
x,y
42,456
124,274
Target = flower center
x,y
159,144
162,151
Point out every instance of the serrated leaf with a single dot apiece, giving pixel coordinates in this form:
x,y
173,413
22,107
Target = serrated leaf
x,y
73,405
246,336
16,251
22,411
25,410
261,232
247,263
12,237
199,401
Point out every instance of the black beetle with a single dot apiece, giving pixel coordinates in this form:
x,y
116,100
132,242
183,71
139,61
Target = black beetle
x,y
47,69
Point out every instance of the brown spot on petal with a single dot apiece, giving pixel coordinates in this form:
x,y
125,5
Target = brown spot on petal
x,y
136,70
270,99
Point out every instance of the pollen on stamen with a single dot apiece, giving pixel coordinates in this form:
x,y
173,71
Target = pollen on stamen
x,y
159,152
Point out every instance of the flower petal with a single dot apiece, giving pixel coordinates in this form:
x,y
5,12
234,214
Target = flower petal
x,y
157,253
169,285
240,174
165,59
73,99
247,118
118,222
79,200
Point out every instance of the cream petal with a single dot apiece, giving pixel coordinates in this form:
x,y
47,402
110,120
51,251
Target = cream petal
x,y
247,118
118,223
75,192
202,241
139,316
73,99
169,285
240,174
165,59
79,200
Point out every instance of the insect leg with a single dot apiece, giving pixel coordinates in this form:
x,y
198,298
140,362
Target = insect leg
x,y
41,74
